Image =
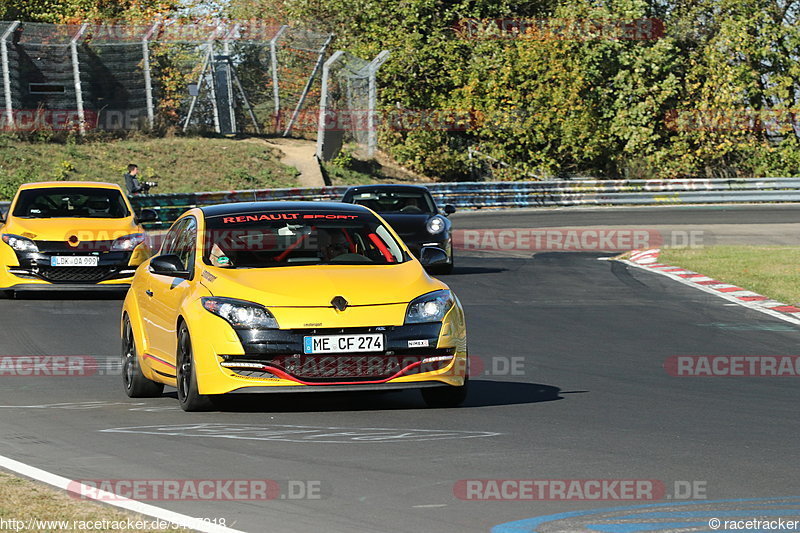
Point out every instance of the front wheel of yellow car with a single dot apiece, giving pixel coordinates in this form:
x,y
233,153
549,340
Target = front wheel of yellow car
x,y
188,395
136,385
447,396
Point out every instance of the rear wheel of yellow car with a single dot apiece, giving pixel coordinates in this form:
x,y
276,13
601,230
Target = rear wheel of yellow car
x,y
447,396
188,395
136,385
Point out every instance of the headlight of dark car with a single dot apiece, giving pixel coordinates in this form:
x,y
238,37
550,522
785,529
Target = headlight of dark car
x,y
435,225
429,307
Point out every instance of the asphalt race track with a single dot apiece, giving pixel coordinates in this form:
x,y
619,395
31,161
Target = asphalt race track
x,y
568,384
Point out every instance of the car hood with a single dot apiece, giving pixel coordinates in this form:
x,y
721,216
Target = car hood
x,y
405,224
61,229
316,286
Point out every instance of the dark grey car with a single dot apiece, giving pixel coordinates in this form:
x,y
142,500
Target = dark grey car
x,y
414,215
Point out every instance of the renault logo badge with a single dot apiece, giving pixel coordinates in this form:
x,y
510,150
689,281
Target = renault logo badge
x,y
339,303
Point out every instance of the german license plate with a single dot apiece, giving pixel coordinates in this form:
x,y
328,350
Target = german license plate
x,y
74,261
367,342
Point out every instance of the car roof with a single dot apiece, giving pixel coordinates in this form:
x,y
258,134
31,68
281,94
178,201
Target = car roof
x,y
386,187
63,184
242,208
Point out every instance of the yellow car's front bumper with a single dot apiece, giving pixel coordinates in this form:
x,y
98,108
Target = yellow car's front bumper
x,y
274,361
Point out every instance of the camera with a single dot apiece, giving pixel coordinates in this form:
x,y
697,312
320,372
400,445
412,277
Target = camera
x,y
147,185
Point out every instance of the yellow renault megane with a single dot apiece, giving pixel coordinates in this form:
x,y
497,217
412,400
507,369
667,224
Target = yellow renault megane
x,y
70,236
290,297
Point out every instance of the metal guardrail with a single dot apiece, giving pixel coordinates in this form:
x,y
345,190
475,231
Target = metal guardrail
x,y
516,194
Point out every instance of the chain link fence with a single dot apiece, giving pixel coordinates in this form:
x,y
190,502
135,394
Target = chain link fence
x,y
348,105
228,77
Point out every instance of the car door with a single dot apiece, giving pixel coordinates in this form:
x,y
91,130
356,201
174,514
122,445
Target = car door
x,y
145,298
167,292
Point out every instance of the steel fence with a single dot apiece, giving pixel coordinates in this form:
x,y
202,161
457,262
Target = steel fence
x,y
223,76
476,195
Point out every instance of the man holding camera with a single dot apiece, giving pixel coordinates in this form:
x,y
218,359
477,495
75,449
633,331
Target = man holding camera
x,y
133,184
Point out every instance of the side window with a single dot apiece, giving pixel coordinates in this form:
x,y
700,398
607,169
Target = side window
x,y
168,246
185,243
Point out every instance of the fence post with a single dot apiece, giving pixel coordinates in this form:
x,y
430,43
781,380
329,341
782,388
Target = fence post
x,y
76,76
313,75
372,131
9,102
273,58
212,86
148,82
200,79
323,100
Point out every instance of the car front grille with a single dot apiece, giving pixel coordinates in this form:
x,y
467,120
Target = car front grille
x,y
75,274
320,368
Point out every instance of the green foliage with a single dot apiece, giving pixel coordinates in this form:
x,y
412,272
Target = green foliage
x,y
344,159
593,105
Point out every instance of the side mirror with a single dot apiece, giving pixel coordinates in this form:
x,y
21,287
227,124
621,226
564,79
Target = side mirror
x,y
2,218
147,215
432,256
449,209
168,265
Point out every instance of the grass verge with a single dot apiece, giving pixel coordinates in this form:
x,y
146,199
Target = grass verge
x,y
182,164
30,506
768,270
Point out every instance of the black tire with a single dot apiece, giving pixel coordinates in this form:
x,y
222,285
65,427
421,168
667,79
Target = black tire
x,y
448,396
188,396
136,385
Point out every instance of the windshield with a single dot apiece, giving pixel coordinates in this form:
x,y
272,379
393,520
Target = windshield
x,y
270,239
411,202
70,202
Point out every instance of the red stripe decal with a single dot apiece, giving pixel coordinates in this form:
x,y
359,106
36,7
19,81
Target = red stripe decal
x,y
148,356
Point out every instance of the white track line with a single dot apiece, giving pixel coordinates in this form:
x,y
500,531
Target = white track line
x,y
112,499
725,295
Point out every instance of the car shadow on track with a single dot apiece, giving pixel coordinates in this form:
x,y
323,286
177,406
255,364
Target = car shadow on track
x,y
465,270
485,393
482,393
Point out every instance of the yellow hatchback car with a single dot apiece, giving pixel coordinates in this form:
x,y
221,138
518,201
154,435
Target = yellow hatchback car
x,y
290,297
71,236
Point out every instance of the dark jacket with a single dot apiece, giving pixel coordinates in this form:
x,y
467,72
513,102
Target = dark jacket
x,y
132,184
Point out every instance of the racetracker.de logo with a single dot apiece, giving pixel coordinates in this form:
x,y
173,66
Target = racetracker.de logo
x,y
690,366
22,120
194,489
560,29
557,239
558,489
48,365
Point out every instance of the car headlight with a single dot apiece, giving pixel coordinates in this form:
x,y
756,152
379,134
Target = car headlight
x,y
20,244
240,314
429,307
127,243
435,225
